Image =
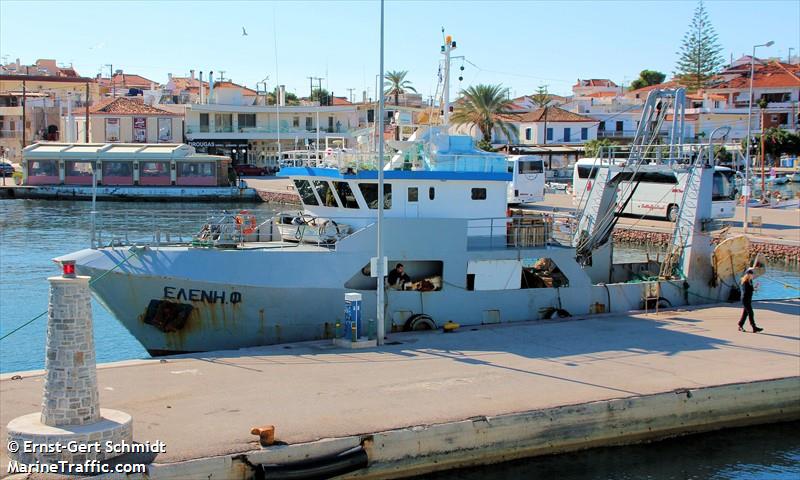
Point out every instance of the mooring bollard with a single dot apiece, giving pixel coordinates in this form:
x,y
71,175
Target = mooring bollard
x,y
70,404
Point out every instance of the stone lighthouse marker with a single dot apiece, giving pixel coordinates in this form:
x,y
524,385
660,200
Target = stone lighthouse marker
x,y
71,412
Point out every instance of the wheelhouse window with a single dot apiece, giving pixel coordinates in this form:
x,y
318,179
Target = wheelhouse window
x,y
346,194
306,192
370,193
413,194
431,193
479,194
325,193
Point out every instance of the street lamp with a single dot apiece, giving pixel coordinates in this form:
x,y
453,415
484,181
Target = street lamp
x,y
746,188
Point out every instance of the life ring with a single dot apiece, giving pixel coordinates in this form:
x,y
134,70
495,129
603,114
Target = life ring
x,y
246,222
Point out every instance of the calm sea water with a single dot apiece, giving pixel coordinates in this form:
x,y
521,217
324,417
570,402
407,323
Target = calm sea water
x,y
767,452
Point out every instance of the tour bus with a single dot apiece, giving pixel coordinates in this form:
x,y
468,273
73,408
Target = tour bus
x,y
659,194
527,183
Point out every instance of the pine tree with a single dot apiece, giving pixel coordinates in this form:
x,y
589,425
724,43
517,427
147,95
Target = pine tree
x,y
542,97
700,56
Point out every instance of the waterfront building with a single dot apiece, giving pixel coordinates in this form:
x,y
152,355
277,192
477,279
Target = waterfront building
x,y
32,98
232,124
122,164
130,120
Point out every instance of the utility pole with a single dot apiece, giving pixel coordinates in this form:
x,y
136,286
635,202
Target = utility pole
x,y
24,119
86,121
350,91
311,86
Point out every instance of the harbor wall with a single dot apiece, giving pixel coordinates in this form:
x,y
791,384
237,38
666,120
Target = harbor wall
x,y
774,252
155,194
484,440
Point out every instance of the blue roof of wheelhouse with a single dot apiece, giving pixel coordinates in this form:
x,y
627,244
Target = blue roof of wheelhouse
x,y
454,158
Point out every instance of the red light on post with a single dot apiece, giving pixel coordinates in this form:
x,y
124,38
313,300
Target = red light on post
x,y
68,268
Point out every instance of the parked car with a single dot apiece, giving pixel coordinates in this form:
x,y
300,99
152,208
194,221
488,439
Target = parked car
x,y
6,170
247,169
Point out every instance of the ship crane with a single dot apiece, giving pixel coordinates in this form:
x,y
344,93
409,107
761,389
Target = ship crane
x,y
602,208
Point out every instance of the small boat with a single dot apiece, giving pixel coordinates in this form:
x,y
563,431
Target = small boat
x,y
794,177
778,180
305,228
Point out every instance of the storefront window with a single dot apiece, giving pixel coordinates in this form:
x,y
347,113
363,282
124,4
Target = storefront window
x,y
42,168
204,122
112,129
154,173
164,129
139,129
117,169
196,169
79,169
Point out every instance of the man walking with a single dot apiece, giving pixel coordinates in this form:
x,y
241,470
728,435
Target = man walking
x,y
747,302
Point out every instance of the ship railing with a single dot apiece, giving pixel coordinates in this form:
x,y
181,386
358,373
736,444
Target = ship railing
x,y
660,154
542,229
120,227
353,161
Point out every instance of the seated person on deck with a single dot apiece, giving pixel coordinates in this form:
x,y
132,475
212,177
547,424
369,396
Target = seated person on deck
x,y
398,278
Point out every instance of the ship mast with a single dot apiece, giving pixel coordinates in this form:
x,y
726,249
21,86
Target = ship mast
x,y
379,263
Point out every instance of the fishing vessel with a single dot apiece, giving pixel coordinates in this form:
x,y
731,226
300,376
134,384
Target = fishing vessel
x,y
445,206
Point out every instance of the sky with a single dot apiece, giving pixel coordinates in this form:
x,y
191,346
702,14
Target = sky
x,y
519,44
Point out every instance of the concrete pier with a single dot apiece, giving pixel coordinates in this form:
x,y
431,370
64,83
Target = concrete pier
x,y
434,400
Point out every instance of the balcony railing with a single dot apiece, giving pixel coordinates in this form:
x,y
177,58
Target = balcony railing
x,y
615,133
194,128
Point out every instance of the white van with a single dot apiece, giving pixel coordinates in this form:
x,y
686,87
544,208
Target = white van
x,y
659,194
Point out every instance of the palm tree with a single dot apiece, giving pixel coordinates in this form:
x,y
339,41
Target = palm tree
x,y
397,84
482,107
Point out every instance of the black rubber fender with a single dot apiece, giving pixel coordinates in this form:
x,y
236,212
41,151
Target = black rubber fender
x,y
317,468
418,322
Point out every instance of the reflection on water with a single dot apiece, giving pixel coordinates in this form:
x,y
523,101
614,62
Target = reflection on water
x,y
767,452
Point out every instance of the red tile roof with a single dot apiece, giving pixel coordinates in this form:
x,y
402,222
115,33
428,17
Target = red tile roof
x,y
554,114
127,106
186,83
127,80
340,101
227,84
